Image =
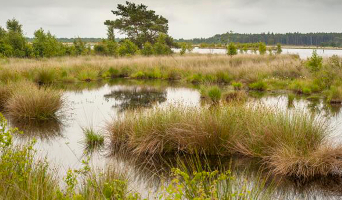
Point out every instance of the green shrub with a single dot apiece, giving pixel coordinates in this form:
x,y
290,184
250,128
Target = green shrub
x,y
231,49
161,47
23,177
212,185
315,62
260,85
147,50
127,48
262,48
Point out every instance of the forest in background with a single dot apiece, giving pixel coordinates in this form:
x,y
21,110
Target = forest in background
x,y
296,39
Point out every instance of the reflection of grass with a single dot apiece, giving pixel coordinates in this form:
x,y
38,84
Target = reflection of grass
x,y
44,130
290,143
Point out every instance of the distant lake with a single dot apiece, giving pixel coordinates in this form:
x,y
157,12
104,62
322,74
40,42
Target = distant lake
x,y
303,53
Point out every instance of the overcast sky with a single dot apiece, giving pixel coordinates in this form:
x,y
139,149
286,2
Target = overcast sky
x,y
187,18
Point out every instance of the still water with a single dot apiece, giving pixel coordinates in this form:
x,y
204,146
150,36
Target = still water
x,y
94,105
303,53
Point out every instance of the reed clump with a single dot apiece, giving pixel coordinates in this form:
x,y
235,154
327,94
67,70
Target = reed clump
x,y
257,132
33,103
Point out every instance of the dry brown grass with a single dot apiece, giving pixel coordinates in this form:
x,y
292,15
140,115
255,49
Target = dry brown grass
x,y
291,144
31,102
247,68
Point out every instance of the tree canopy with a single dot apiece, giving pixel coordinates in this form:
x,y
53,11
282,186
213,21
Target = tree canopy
x,y
138,23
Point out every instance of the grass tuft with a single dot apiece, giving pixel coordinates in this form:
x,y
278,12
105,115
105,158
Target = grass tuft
x,y
93,139
258,132
34,103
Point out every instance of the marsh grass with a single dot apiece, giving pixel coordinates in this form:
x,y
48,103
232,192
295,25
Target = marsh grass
x,y
334,95
33,103
235,96
194,68
93,139
258,132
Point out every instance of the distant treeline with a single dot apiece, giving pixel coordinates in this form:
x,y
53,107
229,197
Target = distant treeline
x,y
298,39
71,40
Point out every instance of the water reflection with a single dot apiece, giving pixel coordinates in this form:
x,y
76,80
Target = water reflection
x,y
42,130
137,97
95,100
154,171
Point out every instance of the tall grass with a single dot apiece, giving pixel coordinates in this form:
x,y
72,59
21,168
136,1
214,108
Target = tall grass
x,y
258,132
195,68
31,102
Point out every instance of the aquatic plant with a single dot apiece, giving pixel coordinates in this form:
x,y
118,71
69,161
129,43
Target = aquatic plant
x,y
258,132
31,102
93,139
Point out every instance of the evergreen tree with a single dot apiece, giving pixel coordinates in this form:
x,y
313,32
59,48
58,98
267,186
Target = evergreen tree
x,y
231,49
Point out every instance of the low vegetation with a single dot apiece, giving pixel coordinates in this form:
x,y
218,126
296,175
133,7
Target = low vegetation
x,y
32,103
93,139
254,72
26,101
24,176
290,143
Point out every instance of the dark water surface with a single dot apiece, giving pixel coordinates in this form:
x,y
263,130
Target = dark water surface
x,y
93,105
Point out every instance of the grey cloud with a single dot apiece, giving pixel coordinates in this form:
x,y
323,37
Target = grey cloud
x,y
187,19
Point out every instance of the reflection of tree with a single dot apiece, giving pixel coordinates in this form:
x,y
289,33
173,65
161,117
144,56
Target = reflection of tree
x,y
43,130
138,97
